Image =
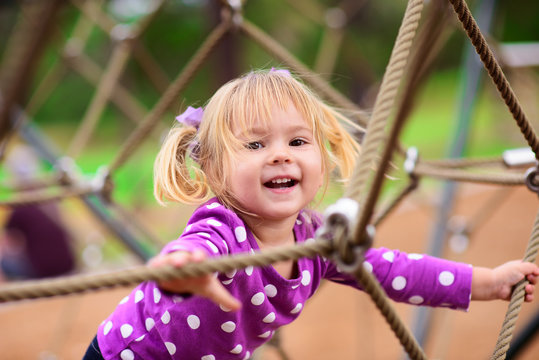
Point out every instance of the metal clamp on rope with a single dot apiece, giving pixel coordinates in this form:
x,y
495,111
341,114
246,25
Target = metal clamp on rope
x,y
412,156
236,9
68,171
102,183
532,179
341,218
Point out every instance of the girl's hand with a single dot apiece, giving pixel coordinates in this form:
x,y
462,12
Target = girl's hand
x,y
498,283
208,285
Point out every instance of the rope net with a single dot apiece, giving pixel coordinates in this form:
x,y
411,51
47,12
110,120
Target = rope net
x,y
380,141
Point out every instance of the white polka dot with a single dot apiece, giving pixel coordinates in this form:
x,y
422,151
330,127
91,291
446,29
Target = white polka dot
x,y
214,222
124,300
170,347
269,318
107,328
241,234
213,205
188,227
249,270
228,326
165,319
367,266
295,286
247,355
231,274
226,246
193,321
309,241
415,256
149,323
224,308
212,246
270,290
297,309
399,283
258,298
265,335
205,234
139,295
306,278
227,282
177,298
446,278
156,295
208,357
299,222
126,330
237,349
140,338
127,355
416,299
389,256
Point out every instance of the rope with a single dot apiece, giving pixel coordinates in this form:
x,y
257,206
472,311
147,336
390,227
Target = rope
x,y
517,298
495,72
116,65
461,162
463,175
314,80
412,185
377,294
90,71
80,283
39,197
375,133
170,95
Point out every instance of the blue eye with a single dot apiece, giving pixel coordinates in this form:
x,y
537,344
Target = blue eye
x,y
298,142
254,145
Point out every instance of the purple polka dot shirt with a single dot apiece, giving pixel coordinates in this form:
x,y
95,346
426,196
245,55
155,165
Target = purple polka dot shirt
x,y
152,324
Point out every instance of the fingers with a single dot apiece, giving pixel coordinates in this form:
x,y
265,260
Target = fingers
x,y
216,292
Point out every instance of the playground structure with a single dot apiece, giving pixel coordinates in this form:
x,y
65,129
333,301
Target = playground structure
x,y
365,187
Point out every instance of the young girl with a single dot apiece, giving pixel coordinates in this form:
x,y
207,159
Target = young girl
x,y
265,146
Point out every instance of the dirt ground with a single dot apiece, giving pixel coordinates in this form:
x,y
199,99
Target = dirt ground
x,y
339,322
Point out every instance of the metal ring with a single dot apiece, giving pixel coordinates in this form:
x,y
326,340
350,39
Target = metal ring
x,y
531,180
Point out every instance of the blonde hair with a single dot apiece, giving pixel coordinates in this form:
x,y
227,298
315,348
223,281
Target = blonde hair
x,y
237,105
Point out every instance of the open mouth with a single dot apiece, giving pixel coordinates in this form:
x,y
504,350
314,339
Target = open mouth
x,y
280,183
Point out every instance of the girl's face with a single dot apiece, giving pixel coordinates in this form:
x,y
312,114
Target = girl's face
x,y
279,170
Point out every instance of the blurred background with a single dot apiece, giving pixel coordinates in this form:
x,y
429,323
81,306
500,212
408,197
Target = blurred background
x,y
82,76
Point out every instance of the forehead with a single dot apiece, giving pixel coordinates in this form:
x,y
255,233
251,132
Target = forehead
x,y
276,117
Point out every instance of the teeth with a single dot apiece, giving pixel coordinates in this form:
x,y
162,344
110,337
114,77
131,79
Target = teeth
x,y
280,181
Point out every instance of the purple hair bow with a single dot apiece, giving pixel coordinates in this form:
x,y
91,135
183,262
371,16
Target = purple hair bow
x,y
191,116
280,71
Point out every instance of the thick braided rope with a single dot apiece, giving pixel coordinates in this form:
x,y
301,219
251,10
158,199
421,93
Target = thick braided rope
x,y
495,72
121,97
170,95
374,137
462,162
314,80
375,133
377,294
412,185
22,53
133,276
116,65
464,175
43,196
517,298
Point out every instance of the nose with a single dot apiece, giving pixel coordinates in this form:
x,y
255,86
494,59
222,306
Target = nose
x,y
281,155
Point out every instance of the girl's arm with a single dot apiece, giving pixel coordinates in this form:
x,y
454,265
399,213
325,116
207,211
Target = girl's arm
x,y
497,283
208,285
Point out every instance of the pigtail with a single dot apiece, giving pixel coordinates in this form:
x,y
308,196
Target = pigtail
x,y
344,148
176,177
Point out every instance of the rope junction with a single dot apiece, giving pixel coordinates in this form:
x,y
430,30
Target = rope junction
x,y
347,241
